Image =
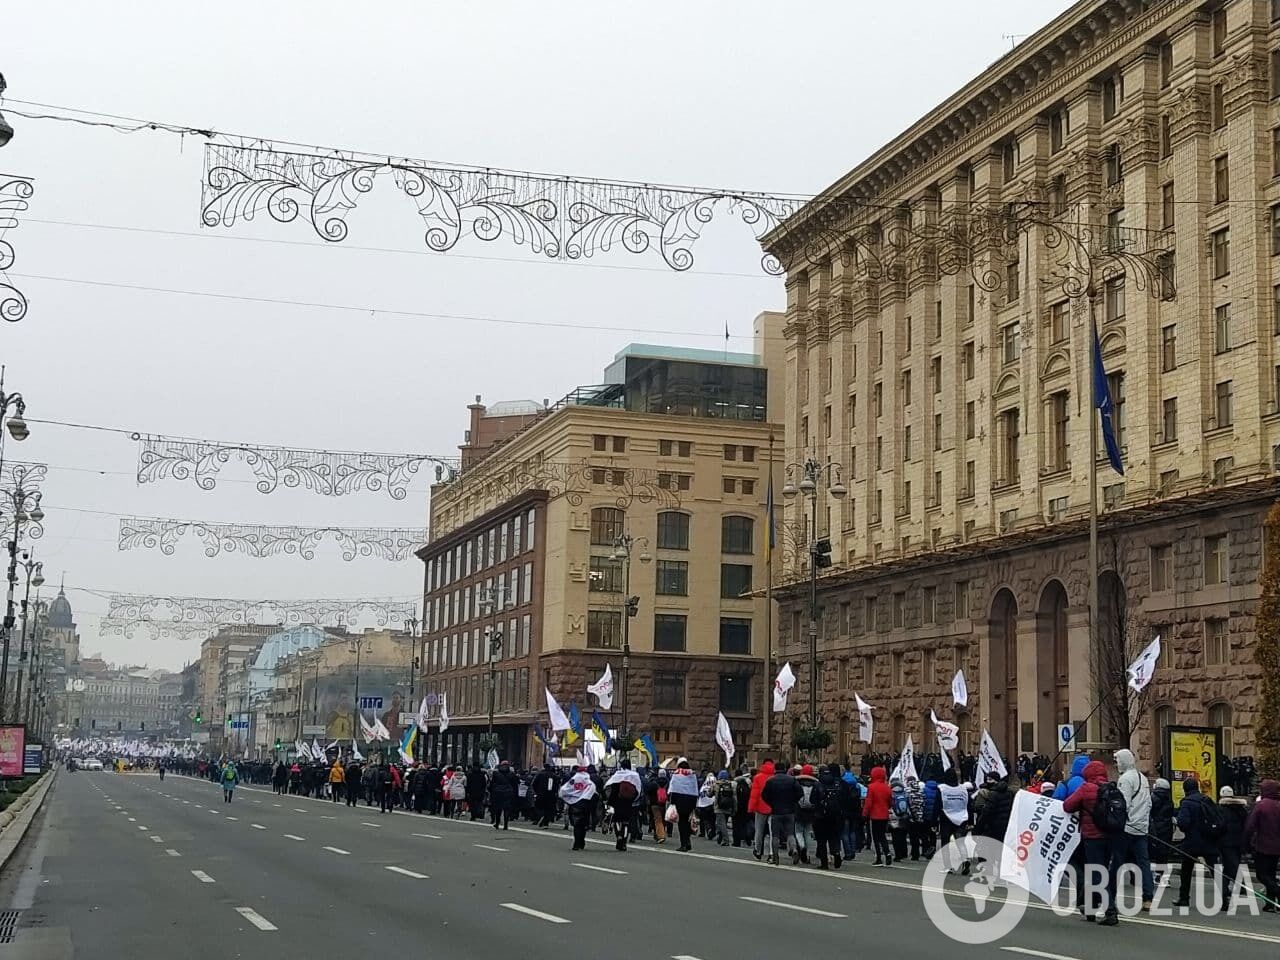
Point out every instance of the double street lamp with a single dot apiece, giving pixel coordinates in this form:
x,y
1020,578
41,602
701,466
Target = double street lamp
x,y
492,599
623,547
804,478
24,507
35,578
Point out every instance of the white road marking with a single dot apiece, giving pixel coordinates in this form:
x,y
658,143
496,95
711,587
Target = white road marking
x,y
141,827
530,912
589,866
684,956
233,818
338,850
792,906
133,819
186,801
485,846
211,810
293,836
376,826
257,919
173,853
277,804
257,826
1038,953
325,817
202,876
298,810
156,839
257,801
408,873
429,836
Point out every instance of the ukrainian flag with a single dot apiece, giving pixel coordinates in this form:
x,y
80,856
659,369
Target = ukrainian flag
x,y
574,733
645,745
407,743
601,730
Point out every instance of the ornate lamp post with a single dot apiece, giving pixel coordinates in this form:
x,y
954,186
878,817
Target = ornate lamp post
x,y
493,599
623,547
25,506
810,474
35,666
35,577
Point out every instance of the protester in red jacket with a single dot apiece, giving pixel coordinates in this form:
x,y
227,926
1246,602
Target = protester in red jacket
x,y
875,808
1097,847
760,809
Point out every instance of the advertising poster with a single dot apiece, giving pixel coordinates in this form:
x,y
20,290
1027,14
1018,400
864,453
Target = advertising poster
x,y
1193,752
33,758
12,742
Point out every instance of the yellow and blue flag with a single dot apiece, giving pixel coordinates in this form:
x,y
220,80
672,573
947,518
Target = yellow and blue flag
x,y
601,730
407,742
645,745
574,733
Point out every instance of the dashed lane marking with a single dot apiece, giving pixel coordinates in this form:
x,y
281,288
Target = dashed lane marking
x,y
590,866
408,873
257,919
202,876
339,851
294,836
173,853
257,826
485,846
530,912
793,906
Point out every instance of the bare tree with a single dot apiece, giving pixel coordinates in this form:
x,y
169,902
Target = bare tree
x,y
1116,643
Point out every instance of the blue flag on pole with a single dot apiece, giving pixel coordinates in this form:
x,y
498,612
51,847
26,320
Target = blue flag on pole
x,y
1106,408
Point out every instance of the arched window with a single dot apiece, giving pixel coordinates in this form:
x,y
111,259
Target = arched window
x,y
736,534
606,525
899,731
1162,719
673,530
1220,716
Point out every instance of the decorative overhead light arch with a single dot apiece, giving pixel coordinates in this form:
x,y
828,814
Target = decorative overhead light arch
x,y
15,191
254,540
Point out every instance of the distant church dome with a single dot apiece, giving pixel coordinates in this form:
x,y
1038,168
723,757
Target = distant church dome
x,y
60,612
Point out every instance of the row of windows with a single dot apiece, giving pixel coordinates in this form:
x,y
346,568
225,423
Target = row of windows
x,y
508,539
512,588
670,632
607,443
669,692
469,696
671,577
512,639
608,525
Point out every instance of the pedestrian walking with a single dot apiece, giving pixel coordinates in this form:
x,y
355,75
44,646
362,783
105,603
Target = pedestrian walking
x,y
1160,827
706,807
781,794
337,781
1090,802
230,777
828,817
876,810
726,805
502,795
683,792
1130,845
1262,836
1235,813
758,808
578,795
1201,824
806,810
620,794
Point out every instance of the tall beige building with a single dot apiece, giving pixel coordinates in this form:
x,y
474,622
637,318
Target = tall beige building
x,y
673,450
1142,138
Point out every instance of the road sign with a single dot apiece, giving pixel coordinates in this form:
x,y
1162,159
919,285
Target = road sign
x,y
1067,737
370,703
432,700
313,729
239,724
407,718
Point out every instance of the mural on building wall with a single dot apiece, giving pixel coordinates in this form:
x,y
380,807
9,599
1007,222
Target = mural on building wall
x,y
383,690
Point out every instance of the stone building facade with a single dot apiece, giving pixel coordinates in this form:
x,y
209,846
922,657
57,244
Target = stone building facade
x,y
1136,146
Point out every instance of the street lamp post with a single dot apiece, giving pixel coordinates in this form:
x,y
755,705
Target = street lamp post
x,y
25,504
623,547
35,575
36,666
493,599
810,474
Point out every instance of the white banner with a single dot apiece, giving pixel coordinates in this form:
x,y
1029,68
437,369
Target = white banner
x,y
905,769
866,726
380,730
558,719
1037,844
422,714
444,714
603,688
948,733
959,690
1141,670
782,686
989,760
724,738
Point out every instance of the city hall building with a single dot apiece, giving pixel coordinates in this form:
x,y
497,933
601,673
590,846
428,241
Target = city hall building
x,y
1136,145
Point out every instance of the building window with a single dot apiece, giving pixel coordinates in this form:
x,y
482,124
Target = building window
x,y
1220,716
896,678
1167,209
1113,299
666,448
1059,322
673,530
1169,346
606,525
1115,386
870,613
1057,131
604,629
1114,166
1161,567
929,604
1220,250
907,329
1217,651
1275,231
935,375
599,442
730,451
1012,277
1222,467
1058,195
1057,509
1221,180
906,388
970,480
971,307
605,575
970,420
672,578
668,691
962,600
736,535
1219,31
735,693
1169,420
669,632
1059,422
1275,132
619,444
1010,348
1215,560
1222,328
1009,160
1008,465
1222,404
735,636
826,421
729,485
877,399
735,580
1111,97
906,444
1218,106
970,363
1166,63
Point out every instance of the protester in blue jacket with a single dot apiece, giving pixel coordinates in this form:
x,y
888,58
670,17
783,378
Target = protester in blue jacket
x,y
1068,787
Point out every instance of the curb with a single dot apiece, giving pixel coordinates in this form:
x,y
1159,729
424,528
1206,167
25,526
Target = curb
x,y
15,820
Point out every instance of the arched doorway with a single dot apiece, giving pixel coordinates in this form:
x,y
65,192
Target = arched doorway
x,y
1053,666
1112,722
1002,671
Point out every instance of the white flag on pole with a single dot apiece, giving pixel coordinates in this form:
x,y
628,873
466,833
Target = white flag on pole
x,y
422,714
333,746
558,719
1142,669
948,733
782,686
380,729
724,738
946,762
989,759
444,714
603,688
959,690
300,749
905,769
355,750
866,725
366,731
491,760
315,750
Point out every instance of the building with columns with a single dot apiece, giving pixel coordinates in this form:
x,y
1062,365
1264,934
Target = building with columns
x,y
1133,148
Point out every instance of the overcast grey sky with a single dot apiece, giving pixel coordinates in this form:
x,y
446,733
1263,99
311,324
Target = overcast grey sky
x,y
748,94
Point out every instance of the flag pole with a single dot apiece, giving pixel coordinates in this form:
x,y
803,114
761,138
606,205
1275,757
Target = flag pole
x,y
1093,484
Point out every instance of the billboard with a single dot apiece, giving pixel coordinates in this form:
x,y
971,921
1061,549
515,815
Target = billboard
x,y
13,739
331,702
33,758
1193,752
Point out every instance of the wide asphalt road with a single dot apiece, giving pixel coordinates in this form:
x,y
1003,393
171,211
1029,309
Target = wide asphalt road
x,y
124,866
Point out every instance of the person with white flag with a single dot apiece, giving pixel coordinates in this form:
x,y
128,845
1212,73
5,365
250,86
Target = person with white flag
x,y
990,763
559,721
724,738
782,686
577,793
905,769
1143,669
959,690
603,688
622,792
948,735
866,726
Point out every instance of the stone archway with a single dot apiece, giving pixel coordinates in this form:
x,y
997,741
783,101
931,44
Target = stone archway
x,y
1053,666
1002,670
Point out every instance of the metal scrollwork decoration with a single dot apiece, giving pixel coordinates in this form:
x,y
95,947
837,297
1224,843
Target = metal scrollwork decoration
x,y
331,473
162,611
20,490
561,218
15,191
253,540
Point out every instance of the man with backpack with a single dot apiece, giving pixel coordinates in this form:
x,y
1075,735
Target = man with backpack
x,y
1130,844
1102,815
806,809
621,792
1202,828
725,799
829,816
742,818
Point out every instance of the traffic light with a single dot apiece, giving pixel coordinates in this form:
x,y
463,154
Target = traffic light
x,y
277,743
633,606
495,644
199,718
144,724
822,553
